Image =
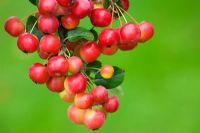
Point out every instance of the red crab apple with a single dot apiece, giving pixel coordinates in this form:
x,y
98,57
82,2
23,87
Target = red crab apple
x,y
100,94
67,96
75,64
58,66
125,4
83,100
61,11
43,55
129,33
90,51
147,31
14,26
76,83
56,84
38,73
125,46
82,8
64,3
48,23
75,114
112,104
107,71
28,43
108,40
94,119
47,6
70,22
100,17
50,44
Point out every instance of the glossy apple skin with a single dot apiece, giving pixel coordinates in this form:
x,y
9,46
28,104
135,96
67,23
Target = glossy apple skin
x,y
58,66
28,43
130,33
56,84
100,17
107,71
47,6
112,104
14,26
48,23
75,64
76,83
100,94
75,114
125,4
108,40
147,31
38,73
90,51
70,22
82,8
67,96
125,46
94,119
61,11
50,44
64,3
83,100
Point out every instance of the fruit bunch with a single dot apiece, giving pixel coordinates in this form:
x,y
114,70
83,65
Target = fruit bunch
x,y
71,52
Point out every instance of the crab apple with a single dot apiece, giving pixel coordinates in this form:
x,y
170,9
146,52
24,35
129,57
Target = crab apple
x,y
48,23
82,8
94,119
125,4
14,26
61,11
67,96
75,64
57,66
70,22
90,51
38,73
27,42
43,55
108,40
100,17
107,71
129,33
50,44
64,3
56,84
127,46
83,100
112,104
75,114
47,6
100,94
147,31
76,83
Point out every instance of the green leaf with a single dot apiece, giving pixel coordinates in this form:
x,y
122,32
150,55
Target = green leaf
x,y
113,82
92,68
29,25
106,3
116,91
80,33
34,2
94,32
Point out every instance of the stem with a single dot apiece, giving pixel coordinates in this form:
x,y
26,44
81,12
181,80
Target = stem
x,y
22,19
33,26
112,14
119,18
121,12
92,68
89,79
128,14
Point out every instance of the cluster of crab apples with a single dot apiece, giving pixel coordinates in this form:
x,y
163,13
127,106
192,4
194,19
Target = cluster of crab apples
x,y
67,61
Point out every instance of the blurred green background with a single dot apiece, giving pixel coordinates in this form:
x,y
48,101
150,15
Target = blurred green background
x,y
161,89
